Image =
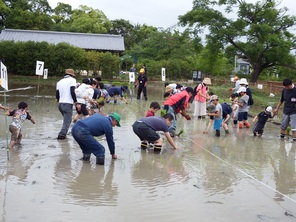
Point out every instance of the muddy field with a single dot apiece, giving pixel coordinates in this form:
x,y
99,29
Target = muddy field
x,y
236,177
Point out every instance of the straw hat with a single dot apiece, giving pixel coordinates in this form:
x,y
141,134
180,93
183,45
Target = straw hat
x,y
70,72
235,78
168,89
207,81
142,71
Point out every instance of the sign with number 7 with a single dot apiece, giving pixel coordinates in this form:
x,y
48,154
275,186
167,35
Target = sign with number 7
x,y
39,68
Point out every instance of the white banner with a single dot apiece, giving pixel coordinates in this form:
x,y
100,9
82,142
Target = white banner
x,y
131,76
39,68
163,74
45,73
4,77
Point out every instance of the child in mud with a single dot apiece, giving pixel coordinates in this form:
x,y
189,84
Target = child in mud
x,y
18,118
234,102
217,114
154,107
261,120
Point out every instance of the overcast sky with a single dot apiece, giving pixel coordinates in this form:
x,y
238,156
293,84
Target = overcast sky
x,y
157,13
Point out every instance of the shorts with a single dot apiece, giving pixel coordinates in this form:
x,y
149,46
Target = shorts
x,y
217,124
15,133
242,116
289,119
83,110
145,132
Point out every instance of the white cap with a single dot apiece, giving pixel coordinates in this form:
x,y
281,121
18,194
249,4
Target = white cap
x,y
242,89
268,109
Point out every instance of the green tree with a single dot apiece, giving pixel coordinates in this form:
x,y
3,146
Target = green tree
x,y
260,31
34,15
124,28
62,17
88,20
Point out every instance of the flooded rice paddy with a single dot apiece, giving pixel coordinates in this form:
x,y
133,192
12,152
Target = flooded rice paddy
x,y
236,177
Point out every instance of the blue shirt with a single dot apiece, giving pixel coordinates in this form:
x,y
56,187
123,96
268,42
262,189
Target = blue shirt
x,y
115,90
99,125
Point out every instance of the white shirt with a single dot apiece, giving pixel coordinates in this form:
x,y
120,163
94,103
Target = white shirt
x,y
64,89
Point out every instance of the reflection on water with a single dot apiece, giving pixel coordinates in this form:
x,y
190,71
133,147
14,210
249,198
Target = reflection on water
x,y
232,178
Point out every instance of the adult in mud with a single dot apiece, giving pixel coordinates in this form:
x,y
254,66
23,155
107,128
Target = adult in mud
x,y
65,95
84,131
146,129
289,116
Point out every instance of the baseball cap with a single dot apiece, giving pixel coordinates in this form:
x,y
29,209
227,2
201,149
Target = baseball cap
x,y
117,117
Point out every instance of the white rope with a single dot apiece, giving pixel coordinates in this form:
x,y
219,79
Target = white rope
x,y
243,172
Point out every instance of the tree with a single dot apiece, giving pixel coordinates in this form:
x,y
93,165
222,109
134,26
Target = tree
x,y
34,15
260,32
88,20
124,28
62,17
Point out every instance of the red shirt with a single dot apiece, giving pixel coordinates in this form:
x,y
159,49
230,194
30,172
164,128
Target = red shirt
x,y
149,113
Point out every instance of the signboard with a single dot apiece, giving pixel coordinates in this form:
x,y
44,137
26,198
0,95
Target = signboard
x,y
39,68
45,74
163,74
131,76
4,77
196,75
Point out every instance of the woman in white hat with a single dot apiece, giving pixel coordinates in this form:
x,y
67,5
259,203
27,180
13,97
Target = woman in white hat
x,y
201,97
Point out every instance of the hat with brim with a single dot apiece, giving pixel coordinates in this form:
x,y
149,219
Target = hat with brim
x,y
214,97
235,78
207,81
117,117
70,72
243,81
168,89
242,89
141,71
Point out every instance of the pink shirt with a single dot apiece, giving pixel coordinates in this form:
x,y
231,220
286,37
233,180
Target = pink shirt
x,y
203,90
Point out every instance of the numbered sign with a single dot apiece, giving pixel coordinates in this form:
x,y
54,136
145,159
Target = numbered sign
x,y
163,74
39,68
45,74
131,76
4,77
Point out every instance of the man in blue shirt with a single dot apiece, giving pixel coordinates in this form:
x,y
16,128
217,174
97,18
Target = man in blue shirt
x,y
115,91
84,131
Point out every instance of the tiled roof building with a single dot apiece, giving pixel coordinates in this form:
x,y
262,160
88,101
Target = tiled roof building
x,y
98,42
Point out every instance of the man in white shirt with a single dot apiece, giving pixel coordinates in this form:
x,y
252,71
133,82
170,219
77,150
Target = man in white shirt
x,y
65,94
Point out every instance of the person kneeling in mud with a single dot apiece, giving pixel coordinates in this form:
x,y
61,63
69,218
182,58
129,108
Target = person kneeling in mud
x,y
145,128
86,129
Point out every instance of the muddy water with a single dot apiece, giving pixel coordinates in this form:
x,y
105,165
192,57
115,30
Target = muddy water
x,y
232,178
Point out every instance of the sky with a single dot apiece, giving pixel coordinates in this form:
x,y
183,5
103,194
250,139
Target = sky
x,y
157,13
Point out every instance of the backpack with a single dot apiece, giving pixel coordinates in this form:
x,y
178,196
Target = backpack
x,y
226,108
249,93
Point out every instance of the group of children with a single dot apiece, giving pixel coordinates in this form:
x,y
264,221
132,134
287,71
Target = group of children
x,y
220,114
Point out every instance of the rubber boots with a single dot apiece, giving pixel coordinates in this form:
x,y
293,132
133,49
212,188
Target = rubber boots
x,y
144,145
86,157
157,148
100,160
